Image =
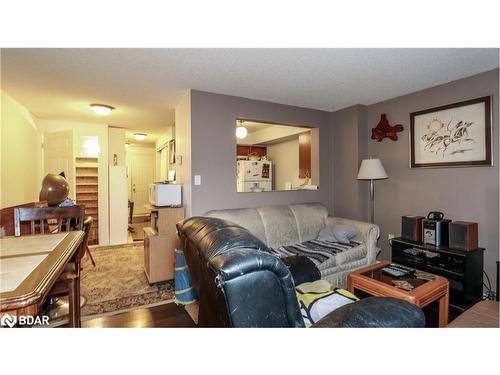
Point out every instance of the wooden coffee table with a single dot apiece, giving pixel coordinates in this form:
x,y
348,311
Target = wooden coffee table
x,y
373,281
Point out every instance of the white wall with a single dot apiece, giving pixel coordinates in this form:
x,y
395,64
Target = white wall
x,y
162,155
183,149
285,158
20,150
116,146
315,156
81,129
118,204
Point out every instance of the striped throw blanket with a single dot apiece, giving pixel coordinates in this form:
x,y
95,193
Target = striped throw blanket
x,y
317,251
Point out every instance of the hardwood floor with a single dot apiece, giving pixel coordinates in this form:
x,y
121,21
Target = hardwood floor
x,y
163,316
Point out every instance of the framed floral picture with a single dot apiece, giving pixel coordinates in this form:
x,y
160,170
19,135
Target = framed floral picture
x,y
454,135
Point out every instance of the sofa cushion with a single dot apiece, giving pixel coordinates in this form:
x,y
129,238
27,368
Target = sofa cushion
x,y
310,219
248,218
280,225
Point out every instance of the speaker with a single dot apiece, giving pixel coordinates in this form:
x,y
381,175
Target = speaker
x,y
463,235
411,228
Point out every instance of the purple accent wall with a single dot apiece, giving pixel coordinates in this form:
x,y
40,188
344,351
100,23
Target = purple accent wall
x,y
469,194
461,193
213,146
350,147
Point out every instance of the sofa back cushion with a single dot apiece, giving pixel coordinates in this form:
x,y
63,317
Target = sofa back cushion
x,y
279,225
311,218
248,218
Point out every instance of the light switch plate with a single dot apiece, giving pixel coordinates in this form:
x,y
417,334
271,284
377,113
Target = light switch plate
x,y
197,179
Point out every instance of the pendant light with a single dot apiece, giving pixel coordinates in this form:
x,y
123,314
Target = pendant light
x,y
241,131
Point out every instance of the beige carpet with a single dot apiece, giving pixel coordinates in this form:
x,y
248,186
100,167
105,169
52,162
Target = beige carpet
x,y
118,281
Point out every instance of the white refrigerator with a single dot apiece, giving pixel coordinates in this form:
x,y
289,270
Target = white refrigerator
x,y
254,176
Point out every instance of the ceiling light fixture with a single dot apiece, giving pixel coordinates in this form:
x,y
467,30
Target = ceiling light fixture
x,y
241,131
140,136
101,109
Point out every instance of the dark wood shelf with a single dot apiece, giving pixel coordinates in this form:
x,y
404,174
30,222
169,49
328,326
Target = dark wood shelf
x,y
463,269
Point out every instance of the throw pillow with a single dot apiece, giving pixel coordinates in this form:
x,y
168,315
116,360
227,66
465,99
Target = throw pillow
x,y
344,233
320,298
326,234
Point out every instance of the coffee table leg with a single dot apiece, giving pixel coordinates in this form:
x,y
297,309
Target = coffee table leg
x,y
350,287
443,310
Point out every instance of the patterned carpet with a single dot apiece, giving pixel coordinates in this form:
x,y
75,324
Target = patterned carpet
x,y
118,281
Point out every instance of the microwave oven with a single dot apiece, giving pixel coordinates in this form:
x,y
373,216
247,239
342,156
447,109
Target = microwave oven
x,y
161,194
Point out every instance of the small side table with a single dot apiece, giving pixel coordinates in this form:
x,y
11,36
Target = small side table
x,y
373,281
160,241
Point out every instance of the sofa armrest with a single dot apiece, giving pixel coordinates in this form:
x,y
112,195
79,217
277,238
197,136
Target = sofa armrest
x,y
258,288
368,233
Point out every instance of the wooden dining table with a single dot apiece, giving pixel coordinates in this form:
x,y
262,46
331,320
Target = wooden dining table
x,y
29,267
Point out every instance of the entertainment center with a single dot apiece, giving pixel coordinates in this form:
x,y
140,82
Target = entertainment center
x,y
463,269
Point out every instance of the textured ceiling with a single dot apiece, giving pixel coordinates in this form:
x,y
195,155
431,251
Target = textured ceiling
x,y
145,84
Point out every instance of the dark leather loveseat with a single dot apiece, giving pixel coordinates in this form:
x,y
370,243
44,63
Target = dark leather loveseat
x,y
240,284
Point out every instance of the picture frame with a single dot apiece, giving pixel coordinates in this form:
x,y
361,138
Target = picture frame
x,y
171,151
453,135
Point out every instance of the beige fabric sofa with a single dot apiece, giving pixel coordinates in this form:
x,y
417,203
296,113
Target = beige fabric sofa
x,y
286,225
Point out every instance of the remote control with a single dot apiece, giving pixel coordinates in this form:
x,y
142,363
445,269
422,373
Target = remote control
x,y
403,268
393,272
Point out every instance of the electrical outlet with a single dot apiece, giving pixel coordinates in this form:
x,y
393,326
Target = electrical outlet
x,y
390,236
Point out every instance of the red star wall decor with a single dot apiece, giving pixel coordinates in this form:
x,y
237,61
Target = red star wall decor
x,y
384,130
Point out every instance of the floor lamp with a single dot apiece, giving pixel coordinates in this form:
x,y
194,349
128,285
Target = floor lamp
x,y
371,169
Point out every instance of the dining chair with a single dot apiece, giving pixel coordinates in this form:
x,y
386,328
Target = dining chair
x,y
68,284
45,219
49,220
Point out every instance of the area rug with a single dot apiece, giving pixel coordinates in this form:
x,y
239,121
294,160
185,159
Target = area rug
x,y
118,281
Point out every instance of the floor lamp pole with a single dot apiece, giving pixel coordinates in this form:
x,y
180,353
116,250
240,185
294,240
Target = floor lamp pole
x,y
372,203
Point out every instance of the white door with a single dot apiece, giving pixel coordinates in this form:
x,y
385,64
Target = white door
x,y
142,174
58,156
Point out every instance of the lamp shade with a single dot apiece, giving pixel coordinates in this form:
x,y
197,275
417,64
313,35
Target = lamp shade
x,y
371,169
